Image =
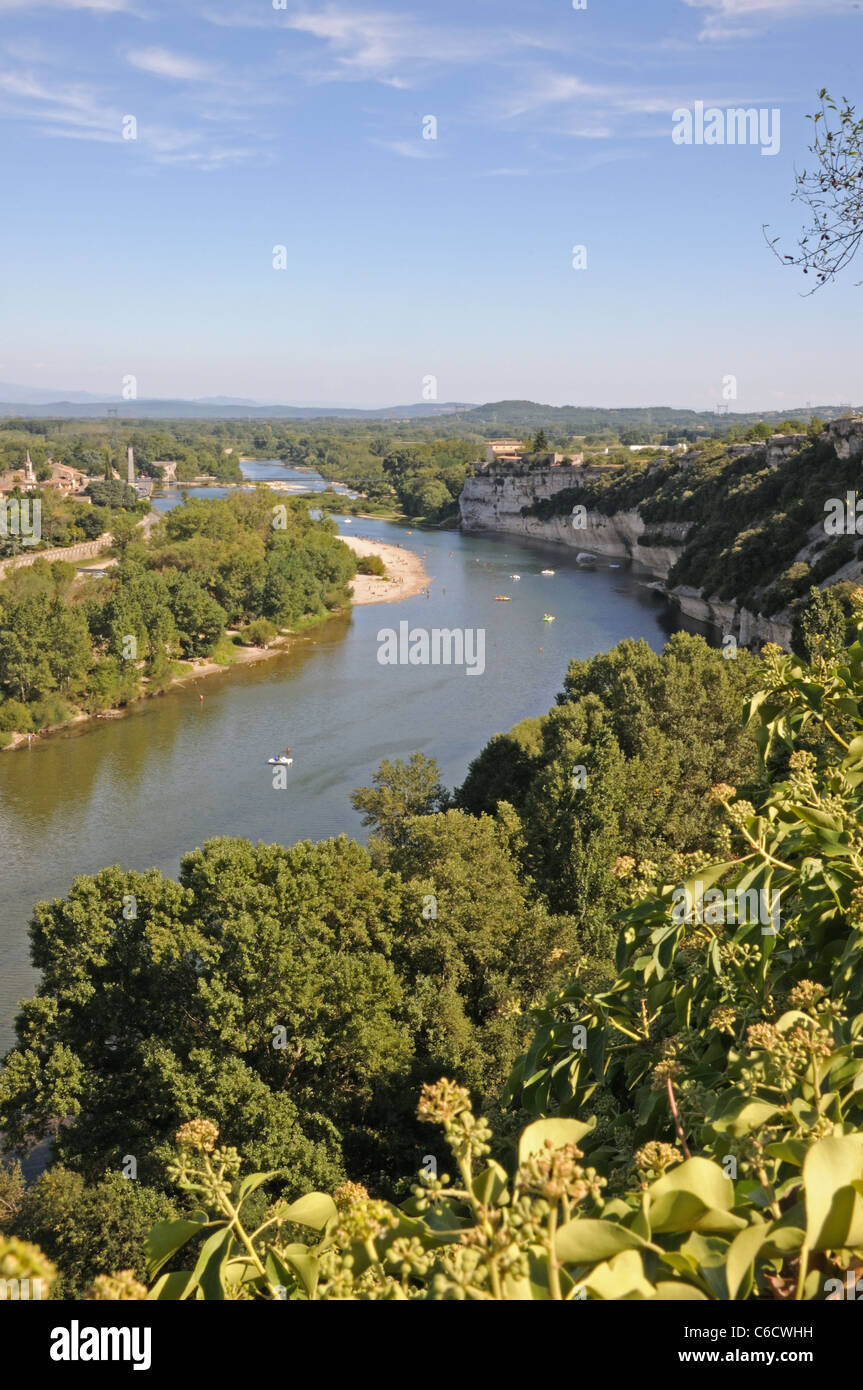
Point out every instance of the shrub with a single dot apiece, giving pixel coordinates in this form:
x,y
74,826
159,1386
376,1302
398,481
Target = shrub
x,y
86,1230
372,564
12,1189
48,713
259,633
15,716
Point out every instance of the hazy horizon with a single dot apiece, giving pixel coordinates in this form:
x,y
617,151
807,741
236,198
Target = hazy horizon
x,y
75,397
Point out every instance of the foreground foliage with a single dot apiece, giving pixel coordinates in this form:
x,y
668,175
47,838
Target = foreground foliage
x,y
706,1129
694,1121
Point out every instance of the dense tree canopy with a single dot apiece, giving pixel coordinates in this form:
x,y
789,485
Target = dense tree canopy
x,y
619,766
297,995
68,644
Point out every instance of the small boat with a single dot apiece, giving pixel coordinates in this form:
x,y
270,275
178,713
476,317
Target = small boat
x,y
502,598
547,618
547,571
282,759
515,576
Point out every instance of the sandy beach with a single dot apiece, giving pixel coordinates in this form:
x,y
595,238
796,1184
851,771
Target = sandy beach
x,y
406,571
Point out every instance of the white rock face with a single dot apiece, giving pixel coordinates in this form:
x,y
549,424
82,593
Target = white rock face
x,y
494,502
729,619
846,436
781,446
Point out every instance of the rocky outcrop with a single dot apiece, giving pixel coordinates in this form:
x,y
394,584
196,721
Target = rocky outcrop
x,y
728,618
846,436
500,500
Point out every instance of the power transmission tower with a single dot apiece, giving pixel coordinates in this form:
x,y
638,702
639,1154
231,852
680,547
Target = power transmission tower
x,y
112,413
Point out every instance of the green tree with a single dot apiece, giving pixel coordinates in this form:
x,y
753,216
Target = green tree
x,y
621,766
88,1229
503,771
25,665
112,494
260,989
70,652
199,619
484,951
124,529
434,499
399,791
820,625
398,464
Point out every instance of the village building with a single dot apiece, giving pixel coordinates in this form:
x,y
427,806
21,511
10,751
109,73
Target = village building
x,y
12,480
511,453
504,451
65,479
23,479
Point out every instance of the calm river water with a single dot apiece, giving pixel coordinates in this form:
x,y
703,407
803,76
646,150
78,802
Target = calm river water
x,y
144,789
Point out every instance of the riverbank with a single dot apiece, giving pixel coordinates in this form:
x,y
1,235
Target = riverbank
x,y
407,578
407,575
194,670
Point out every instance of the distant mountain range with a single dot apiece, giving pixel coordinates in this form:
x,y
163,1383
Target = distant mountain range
x,y
37,400
42,402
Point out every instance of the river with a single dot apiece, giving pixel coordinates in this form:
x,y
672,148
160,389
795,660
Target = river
x,y
143,789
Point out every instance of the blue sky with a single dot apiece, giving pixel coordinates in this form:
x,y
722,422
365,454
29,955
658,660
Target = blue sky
x,y
410,258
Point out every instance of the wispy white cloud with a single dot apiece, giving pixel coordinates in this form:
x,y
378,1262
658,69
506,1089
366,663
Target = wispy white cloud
x,y
62,109
374,44
737,19
384,46
408,149
161,62
79,112
103,6
544,89
581,110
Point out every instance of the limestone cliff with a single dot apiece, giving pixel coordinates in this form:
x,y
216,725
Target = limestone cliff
x,y
498,499
497,502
